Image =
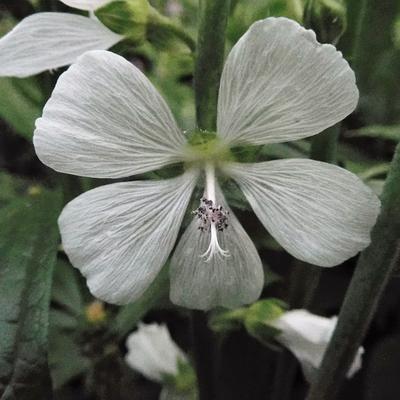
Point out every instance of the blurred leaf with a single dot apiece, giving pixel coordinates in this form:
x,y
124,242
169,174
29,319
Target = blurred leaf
x,y
391,132
21,103
11,187
66,290
26,266
129,315
65,359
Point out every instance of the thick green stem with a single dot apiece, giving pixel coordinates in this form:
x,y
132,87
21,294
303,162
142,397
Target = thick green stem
x,y
213,18
372,273
209,62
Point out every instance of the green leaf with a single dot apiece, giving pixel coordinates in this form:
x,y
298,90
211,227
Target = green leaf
x,y
21,103
129,315
28,248
391,132
66,291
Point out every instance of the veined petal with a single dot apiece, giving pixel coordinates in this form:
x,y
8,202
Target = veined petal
x,y
152,352
279,84
106,120
318,212
51,40
222,281
89,5
120,235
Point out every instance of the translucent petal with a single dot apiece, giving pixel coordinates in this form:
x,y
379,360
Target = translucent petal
x,y
307,336
318,212
50,40
152,352
88,5
106,120
279,84
223,281
120,235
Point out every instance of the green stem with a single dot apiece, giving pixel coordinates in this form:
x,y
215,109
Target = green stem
x,y
209,62
372,273
213,19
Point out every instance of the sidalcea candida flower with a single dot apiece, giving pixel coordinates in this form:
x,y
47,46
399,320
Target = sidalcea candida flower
x,y
153,353
106,120
49,40
307,336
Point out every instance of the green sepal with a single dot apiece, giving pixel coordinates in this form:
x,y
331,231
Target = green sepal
x,y
184,381
258,317
225,321
126,17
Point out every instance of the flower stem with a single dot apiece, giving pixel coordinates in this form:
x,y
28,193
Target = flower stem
x,y
209,62
213,17
372,273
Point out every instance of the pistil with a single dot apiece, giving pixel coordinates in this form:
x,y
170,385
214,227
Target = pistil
x,y
213,218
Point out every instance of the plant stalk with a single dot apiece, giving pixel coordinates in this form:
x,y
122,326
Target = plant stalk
x,y
213,17
210,58
373,271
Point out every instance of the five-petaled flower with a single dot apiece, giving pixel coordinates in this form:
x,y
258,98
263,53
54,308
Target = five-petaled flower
x,y
106,120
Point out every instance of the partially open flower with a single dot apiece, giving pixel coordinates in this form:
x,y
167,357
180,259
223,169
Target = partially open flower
x,y
307,336
106,120
153,353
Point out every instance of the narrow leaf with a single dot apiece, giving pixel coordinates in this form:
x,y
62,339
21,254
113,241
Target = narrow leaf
x,y
28,247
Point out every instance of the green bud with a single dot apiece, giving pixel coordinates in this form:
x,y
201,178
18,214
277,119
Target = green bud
x,y
138,21
259,315
328,18
126,17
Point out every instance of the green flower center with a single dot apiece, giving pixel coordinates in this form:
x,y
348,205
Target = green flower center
x,y
205,147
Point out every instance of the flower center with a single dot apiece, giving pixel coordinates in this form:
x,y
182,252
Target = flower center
x,y
206,147
212,217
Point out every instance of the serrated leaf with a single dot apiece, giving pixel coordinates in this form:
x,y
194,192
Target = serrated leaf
x,y
28,248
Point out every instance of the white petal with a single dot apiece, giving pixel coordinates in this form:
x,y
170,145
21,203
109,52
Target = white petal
x,y
50,40
307,336
223,281
318,212
280,84
152,352
88,5
120,235
106,120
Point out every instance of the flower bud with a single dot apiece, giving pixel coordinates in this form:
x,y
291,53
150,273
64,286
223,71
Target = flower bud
x,y
307,336
152,352
126,17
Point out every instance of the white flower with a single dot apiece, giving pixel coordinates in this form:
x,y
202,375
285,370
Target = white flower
x,y
153,353
106,120
307,336
50,40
